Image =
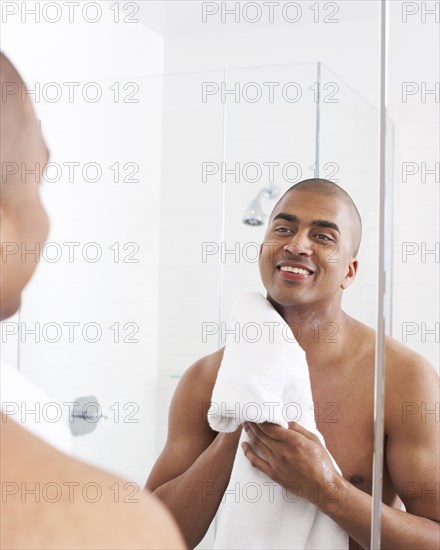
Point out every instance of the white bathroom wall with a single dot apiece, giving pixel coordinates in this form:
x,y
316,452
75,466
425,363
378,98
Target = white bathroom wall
x,y
190,215
414,70
105,280
344,36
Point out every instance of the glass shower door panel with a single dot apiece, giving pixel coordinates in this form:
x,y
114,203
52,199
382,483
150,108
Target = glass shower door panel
x,y
270,135
349,156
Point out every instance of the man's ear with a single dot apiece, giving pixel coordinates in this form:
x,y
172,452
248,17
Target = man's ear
x,y
351,273
261,250
11,266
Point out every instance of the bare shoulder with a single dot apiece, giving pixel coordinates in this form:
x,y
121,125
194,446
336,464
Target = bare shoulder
x,y
412,388
406,368
78,506
200,377
411,382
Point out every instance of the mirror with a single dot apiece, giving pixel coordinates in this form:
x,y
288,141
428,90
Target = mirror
x,y
166,121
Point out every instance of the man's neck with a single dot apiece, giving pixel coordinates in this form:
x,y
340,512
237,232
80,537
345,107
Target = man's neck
x,y
323,332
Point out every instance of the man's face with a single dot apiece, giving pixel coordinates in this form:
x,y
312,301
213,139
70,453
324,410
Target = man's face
x,y
24,228
307,254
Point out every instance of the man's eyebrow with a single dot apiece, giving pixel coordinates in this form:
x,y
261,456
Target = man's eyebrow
x,y
287,217
325,223
317,223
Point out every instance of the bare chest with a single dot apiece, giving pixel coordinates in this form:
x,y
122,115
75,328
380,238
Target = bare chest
x,y
344,423
343,407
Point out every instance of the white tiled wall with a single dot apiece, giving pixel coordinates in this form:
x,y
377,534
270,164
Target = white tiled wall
x,y
188,289
416,200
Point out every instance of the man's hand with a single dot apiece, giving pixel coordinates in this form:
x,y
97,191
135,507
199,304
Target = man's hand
x,y
296,459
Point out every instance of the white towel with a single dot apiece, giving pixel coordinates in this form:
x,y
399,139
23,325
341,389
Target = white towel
x,y
264,377
25,403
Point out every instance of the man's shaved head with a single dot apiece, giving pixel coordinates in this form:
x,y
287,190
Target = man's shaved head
x,y
23,155
327,188
20,133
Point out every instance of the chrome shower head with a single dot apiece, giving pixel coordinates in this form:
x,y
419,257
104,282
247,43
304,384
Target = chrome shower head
x,y
254,214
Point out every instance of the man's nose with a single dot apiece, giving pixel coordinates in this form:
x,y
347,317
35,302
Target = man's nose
x,y
300,244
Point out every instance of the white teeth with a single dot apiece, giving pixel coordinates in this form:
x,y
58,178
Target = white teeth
x,y
295,269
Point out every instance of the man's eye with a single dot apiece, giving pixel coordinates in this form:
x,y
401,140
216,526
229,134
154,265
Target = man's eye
x,y
323,237
282,230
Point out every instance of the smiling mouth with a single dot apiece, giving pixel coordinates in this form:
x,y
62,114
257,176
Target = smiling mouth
x,y
295,274
297,270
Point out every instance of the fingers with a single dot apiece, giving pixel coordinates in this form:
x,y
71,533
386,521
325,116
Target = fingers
x,y
259,441
295,427
280,434
270,431
255,460
270,441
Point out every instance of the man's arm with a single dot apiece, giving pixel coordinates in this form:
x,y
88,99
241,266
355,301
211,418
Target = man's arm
x,y
412,455
412,422
194,468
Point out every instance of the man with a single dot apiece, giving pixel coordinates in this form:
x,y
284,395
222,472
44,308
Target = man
x,y
45,503
307,261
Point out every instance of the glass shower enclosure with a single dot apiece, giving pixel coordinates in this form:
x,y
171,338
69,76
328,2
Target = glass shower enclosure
x,y
227,137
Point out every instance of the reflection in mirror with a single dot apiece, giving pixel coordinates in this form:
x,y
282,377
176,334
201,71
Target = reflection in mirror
x,y
169,124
